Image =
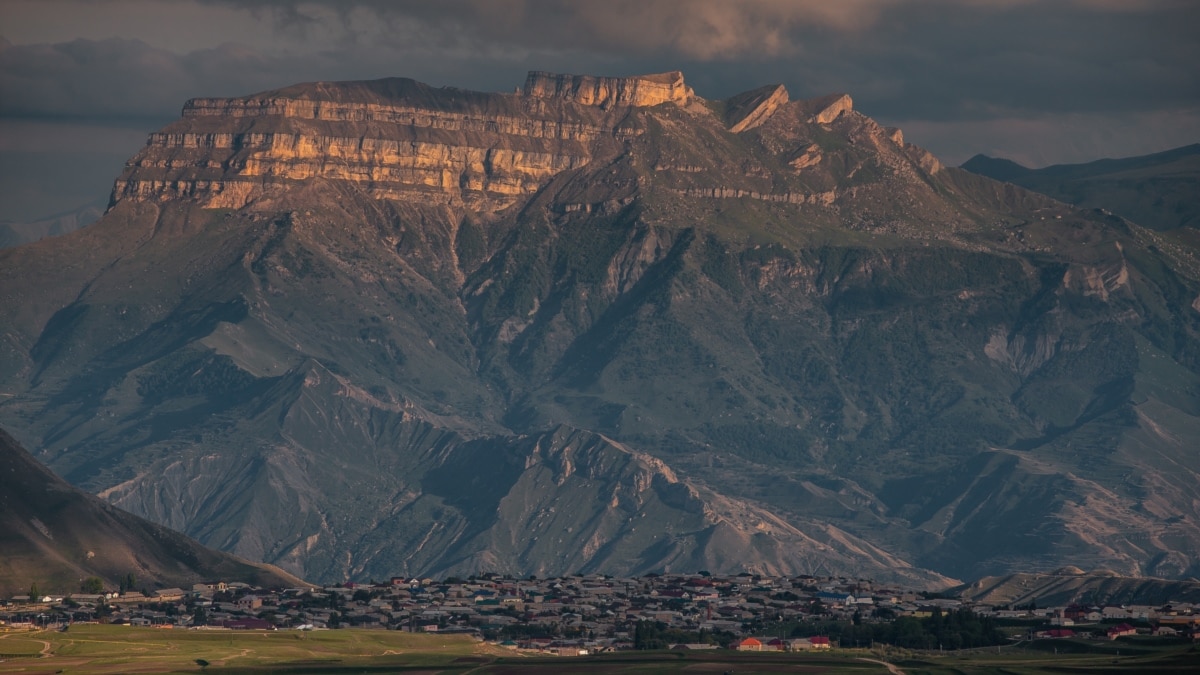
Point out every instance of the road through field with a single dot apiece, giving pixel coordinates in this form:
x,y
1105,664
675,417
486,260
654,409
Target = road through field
x,y
23,636
891,668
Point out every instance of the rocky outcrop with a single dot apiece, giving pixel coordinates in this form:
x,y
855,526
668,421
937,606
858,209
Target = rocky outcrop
x,y
821,198
606,92
810,157
750,109
828,108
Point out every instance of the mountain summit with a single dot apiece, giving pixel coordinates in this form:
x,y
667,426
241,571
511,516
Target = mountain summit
x,y
606,325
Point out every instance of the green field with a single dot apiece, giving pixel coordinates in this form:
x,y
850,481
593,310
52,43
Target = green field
x,y
121,649
96,648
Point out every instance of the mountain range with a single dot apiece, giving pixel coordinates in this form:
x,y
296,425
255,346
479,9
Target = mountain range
x,y
606,325
13,233
1158,191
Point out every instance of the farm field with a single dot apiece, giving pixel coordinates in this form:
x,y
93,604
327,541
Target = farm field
x,y
122,649
95,648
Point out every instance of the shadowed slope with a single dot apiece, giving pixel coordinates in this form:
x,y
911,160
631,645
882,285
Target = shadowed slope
x,y
54,535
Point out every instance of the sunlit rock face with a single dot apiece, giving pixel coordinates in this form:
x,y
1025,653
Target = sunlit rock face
x,y
392,139
606,92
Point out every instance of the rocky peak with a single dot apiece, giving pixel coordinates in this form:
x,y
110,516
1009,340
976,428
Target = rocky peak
x,y
606,92
827,108
750,109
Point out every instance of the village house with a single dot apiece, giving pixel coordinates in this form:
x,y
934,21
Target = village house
x,y
1113,612
248,603
168,594
1120,630
750,644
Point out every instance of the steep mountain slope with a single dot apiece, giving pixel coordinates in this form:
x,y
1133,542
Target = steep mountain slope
x,y
603,324
53,535
1159,191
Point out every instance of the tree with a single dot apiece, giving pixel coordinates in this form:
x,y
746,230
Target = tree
x,y
129,583
92,585
33,591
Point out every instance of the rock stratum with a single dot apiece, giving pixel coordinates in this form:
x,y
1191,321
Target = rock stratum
x,y
606,325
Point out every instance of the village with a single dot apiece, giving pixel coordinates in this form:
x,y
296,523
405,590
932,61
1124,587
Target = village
x,y
589,614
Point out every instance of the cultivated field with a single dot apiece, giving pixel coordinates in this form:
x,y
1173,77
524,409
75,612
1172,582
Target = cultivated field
x,y
122,649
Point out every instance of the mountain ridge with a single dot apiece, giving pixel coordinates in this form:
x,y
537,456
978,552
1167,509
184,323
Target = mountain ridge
x,y
1156,190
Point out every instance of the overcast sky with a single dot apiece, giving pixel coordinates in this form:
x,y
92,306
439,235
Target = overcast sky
x,y
1038,81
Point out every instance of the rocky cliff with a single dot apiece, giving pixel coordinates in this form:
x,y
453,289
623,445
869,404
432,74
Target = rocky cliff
x,y
391,139
607,92
368,328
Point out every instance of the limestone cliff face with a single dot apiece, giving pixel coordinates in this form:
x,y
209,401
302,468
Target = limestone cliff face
x,y
394,139
645,90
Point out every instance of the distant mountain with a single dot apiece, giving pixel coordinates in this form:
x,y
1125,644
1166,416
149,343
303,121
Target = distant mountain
x,y
14,233
1159,191
54,535
606,325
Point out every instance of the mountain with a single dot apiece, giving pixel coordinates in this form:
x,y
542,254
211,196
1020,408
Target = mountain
x,y
1158,191
606,325
15,233
54,535
1072,585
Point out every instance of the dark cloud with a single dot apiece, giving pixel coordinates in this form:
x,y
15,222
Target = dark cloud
x,y
1036,64
927,59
